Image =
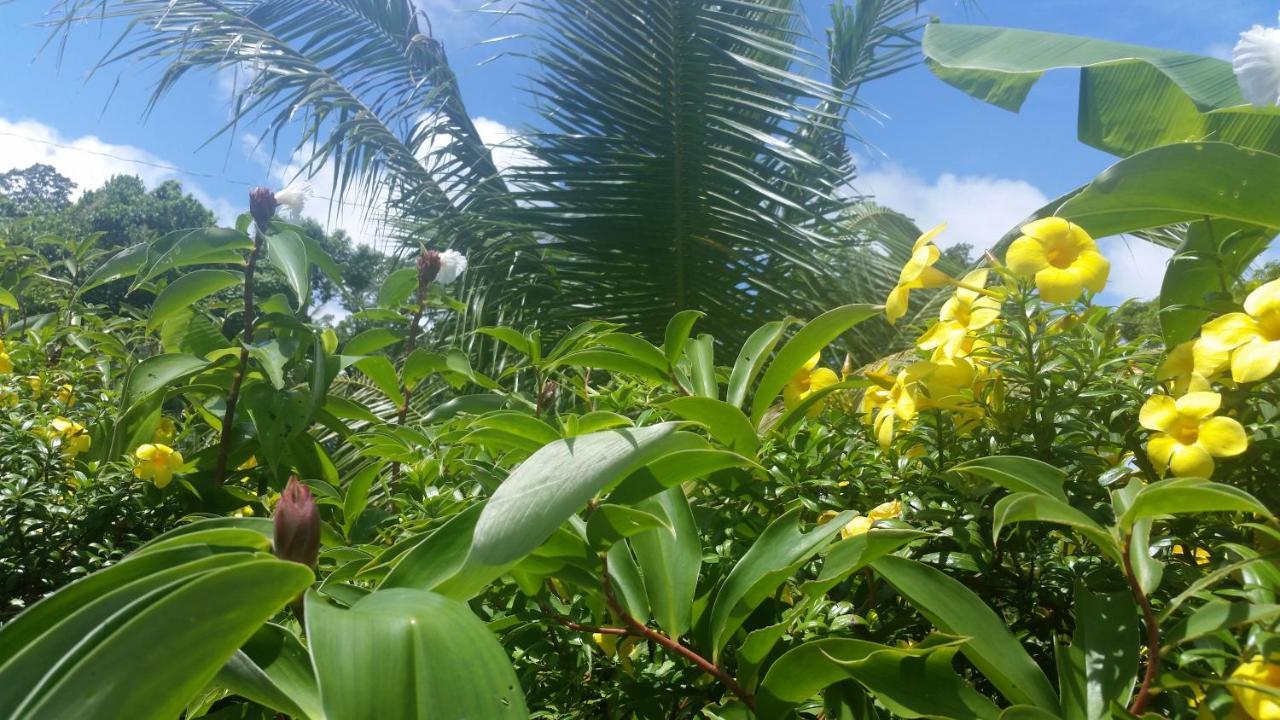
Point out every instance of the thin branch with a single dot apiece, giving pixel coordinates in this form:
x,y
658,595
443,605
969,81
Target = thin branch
x,y
1139,704
233,396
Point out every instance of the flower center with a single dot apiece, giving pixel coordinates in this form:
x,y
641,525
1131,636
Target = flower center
x,y
1269,325
1185,430
1061,255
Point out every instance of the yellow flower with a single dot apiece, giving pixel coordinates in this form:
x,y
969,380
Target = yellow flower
x,y
1188,437
857,526
246,511
861,524
165,431
899,410
75,439
808,379
1061,257
1258,705
249,464
1253,336
1202,556
36,383
886,511
919,272
1193,366
607,642
875,396
66,395
157,463
6,365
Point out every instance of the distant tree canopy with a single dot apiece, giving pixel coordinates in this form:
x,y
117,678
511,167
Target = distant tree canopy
x,y
36,189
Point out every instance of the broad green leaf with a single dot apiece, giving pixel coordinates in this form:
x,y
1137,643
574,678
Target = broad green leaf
x,y
355,497
1019,474
145,667
669,559
1217,615
509,336
521,425
956,610
187,290
810,339
724,421
440,556
754,650
272,355
409,654
628,586
288,253
637,347
7,299
1101,664
1147,570
382,373
397,287
678,330
123,264
468,404
613,362
610,523
157,372
1184,182
1025,506
689,462
1214,255
555,483
803,671
1000,65
1181,496
273,669
751,358
776,554
185,248
854,553
371,340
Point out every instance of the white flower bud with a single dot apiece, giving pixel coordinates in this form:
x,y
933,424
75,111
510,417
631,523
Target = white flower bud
x,y
293,197
452,265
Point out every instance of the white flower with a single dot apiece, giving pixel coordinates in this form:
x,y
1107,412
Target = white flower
x,y
452,265
293,197
1256,60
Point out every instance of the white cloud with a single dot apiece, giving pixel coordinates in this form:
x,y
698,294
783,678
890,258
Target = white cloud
x,y
90,161
1137,267
977,209
504,142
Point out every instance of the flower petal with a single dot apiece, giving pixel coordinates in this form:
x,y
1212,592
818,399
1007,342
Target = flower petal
x,y
1191,461
928,236
1158,413
1264,299
1093,268
1046,228
1026,256
896,304
1255,361
1229,331
1222,437
1059,285
1160,450
1199,405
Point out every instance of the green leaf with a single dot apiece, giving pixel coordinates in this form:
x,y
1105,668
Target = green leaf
x,y
382,373
7,299
755,649
751,358
678,330
157,372
627,583
702,364
1019,474
1021,507
956,610
1218,615
1183,182
123,264
356,496
442,556
274,670
1214,255
670,559
637,347
724,421
272,356
468,404
1101,664
555,483
371,340
775,555
610,523
409,654
613,362
854,553
509,336
144,667
187,290
810,339
288,253
397,287
680,466
1181,496
196,247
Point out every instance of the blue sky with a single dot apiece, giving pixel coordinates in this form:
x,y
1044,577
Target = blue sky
x,y
936,155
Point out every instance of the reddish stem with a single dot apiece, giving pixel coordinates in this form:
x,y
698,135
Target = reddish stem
x,y
1139,704
233,396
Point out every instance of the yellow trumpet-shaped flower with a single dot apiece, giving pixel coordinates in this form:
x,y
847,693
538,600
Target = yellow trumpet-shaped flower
x,y
1257,704
75,439
919,272
861,524
1188,435
1193,366
1061,257
36,383
968,307
66,395
875,396
900,408
808,379
6,365
1253,336
157,463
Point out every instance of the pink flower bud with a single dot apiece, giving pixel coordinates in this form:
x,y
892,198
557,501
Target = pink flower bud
x,y
297,524
428,267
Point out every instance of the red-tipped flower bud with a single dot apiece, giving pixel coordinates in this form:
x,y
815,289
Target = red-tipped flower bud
x,y
297,524
262,206
428,267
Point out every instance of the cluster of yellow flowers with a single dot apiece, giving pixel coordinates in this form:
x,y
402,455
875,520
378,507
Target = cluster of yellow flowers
x,y
1059,256
862,523
72,437
6,364
1232,350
